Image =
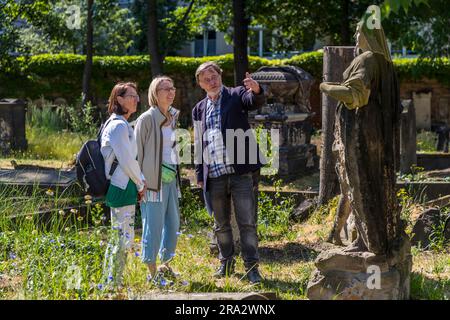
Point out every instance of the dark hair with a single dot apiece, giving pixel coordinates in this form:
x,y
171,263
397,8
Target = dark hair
x,y
119,90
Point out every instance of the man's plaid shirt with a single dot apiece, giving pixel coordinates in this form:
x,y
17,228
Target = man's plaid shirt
x,y
216,148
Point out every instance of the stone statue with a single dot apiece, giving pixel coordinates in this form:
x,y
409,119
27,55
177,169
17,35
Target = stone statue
x,y
366,135
367,121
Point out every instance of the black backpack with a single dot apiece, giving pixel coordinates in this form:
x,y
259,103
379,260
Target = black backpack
x,y
90,166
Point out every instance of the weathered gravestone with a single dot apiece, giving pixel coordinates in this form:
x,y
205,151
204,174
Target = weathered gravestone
x,y
12,125
408,144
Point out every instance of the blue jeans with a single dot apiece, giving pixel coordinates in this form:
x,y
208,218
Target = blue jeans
x,y
160,224
240,188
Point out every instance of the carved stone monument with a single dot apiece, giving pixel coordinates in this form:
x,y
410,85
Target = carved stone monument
x,y
378,263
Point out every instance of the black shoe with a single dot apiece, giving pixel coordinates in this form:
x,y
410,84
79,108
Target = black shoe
x,y
225,269
253,275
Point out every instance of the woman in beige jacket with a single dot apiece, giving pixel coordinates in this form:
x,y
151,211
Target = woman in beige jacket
x,y
155,132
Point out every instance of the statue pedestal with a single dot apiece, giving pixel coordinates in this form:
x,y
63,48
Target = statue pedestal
x,y
344,275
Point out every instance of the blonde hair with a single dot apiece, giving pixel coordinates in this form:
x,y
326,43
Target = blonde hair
x,y
153,88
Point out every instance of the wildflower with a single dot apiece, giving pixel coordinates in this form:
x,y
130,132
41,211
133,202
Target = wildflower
x,y
34,232
163,282
29,217
62,245
101,243
66,229
184,283
73,210
80,218
87,197
100,286
136,240
52,240
190,236
61,212
110,278
88,201
136,254
12,256
81,233
49,192
179,233
103,217
149,278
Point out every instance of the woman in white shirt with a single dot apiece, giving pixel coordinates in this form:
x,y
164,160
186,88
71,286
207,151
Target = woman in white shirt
x,y
160,210
119,149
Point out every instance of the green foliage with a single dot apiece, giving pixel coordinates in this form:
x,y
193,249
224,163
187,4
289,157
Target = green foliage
x,y
193,213
47,118
274,213
421,26
58,145
406,203
12,11
175,25
416,69
425,288
426,141
82,120
322,212
112,28
417,174
438,240
60,75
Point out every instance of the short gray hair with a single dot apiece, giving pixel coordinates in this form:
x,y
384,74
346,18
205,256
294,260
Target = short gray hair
x,y
206,65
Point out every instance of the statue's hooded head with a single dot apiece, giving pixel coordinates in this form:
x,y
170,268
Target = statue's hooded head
x,y
370,37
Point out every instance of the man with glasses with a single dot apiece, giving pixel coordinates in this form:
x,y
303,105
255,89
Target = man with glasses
x,y
225,169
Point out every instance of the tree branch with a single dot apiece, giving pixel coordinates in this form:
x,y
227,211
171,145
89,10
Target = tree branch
x,y
179,25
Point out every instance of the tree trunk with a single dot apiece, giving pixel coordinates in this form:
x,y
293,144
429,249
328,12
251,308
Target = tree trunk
x,y
345,24
240,24
89,48
335,61
156,59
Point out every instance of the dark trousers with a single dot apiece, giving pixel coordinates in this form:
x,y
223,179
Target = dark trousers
x,y
240,189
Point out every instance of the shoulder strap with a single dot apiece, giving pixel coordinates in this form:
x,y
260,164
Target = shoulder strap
x,y
99,135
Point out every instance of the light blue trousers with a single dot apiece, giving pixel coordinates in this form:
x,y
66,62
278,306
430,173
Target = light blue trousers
x,y
160,225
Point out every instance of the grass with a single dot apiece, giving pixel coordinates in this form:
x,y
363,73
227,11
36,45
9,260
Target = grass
x,y
46,261
62,258
426,141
